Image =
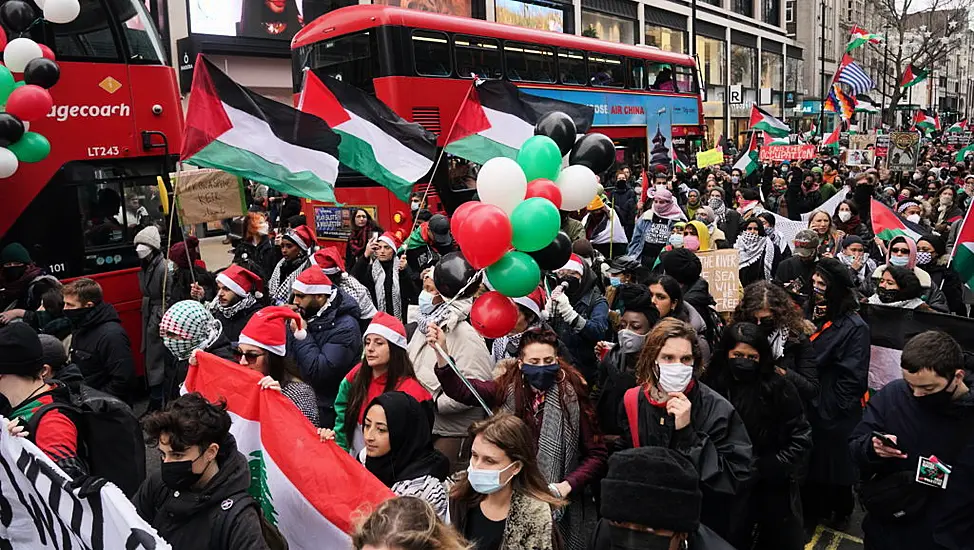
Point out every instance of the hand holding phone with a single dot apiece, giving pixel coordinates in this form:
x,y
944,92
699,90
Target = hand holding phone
x,y
885,446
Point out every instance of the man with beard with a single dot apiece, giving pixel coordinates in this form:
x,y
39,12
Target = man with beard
x,y
333,265
795,273
579,313
237,295
391,288
334,342
22,283
297,245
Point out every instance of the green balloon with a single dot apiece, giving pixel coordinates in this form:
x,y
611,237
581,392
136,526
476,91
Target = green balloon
x,y
7,83
540,157
31,147
535,223
514,275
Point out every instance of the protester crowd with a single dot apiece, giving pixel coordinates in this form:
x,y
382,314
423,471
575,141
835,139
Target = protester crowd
x,y
620,385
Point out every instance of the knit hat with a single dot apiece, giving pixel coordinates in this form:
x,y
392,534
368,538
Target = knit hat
x,y
654,487
267,329
330,260
682,264
534,302
806,243
835,272
313,281
574,264
936,241
188,325
850,240
302,236
54,354
388,327
178,255
390,239
15,252
149,237
241,281
817,170
21,353
583,247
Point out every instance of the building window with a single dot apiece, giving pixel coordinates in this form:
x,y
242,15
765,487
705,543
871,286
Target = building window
x,y
713,56
789,11
744,62
608,27
743,7
793,75
667,39
771,68
772,12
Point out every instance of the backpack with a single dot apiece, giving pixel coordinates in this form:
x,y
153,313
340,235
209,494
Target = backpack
x,y
110,438
226,517
631,404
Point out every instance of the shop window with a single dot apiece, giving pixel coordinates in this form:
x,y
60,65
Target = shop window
x,y
571,67
666,39
477,56
606,70
529,62
608,27
743,65
431,53
636,75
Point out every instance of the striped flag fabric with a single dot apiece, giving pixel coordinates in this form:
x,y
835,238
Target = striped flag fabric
x,y
865,104
962,154
312,491
888,224
962,259
913,76
768,140
496,118
748,161
376,142
925,122
765,121
833,138
958,127
846,104
678,165
234,129
861,36
856,78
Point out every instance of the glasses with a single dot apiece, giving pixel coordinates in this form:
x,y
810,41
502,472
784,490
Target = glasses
x,y
904,251
252,356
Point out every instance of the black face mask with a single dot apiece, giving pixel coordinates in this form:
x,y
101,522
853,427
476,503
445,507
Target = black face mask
x,y
179,476
628,539
743,370
14,272
621,184
541,377
573,285
767,326
77,316
888,295
936,401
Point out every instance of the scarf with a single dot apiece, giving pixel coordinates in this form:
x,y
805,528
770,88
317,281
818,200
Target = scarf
x,y
778,339
595,223
230,311
279,288
751,247
379,277
912,303
671,211
359,238
15,289
747,206
720,211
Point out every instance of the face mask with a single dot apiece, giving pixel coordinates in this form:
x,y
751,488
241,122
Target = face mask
x,y
629,539
946,200
845,215
735,179
676,241
615,281
143,251
715,203
691,242
263,229
915,218
76,316
819,295
924,258
573,285
179,348
486,482
14,273
743,369
674,377
631,342
888,295
541,377
180,476
620,184
414,206
899,261
936,401
784,169
426,303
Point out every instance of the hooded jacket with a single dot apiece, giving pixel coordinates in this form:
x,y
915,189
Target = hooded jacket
x,y
100,347
944,278
188,519
932,295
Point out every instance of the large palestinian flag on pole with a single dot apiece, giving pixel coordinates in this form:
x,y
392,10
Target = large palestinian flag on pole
x,y
963,259
232,128
888,224
748,161
496,118
312,491
376,142
763,120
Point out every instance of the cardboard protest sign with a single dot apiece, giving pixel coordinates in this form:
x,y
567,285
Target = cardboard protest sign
x,y
904,148
778,153
208,195
721,268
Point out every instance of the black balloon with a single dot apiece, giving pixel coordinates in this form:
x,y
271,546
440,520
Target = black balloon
x,y
559,127
452,273
554,255
43,72
17,15
595,151
11,129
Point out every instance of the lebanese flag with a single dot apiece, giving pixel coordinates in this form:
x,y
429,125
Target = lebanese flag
x,y
312,491
376,142
963,258
232,128
888,224
496,118
763,120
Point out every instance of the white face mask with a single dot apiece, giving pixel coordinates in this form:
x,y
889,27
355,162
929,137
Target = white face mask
x,y
915,218
674,377
263,228
631,342
143,251
845,215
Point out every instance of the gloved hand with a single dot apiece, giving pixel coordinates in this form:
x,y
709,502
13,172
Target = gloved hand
x,y
565,310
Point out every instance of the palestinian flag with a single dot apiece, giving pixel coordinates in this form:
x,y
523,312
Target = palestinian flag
x,y
312,491
888,224
678,165
748,161
865,104
963,259
958,127
496,118
925,122
812,132
231,128
768,140
961,154
762,120
860,37
913,76
376,142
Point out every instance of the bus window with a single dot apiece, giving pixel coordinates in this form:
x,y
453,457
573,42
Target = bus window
x,y
347,58
102,214
431,53
142,43
529,63
636,76
686,79
479,56
571,67
88,38
606,70
663,78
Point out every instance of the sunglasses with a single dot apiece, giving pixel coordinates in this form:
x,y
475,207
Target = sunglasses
x,y
250,355
900,250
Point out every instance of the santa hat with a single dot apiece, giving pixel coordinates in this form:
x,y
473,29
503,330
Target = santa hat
x,y
302,236
574,264
390,239
313,281
329,260
267,329
534,301
241,281
388,327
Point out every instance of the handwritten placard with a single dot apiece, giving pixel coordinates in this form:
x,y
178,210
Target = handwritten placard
x,y
721,268
208,195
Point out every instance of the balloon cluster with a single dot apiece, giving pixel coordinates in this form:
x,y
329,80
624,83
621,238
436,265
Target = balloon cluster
x,y
513,233
28,100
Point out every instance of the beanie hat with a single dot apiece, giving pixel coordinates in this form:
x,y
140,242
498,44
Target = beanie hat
x,y
583,247
596,204
241,281
682,264
390,239
850,240
267,329
302,236
574,264
534,302
179,256
313,281
186,326
936,241
21,353
654,487
53,351
329,260
388,327
15,252
149,237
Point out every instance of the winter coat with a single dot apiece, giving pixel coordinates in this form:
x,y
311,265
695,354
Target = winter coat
x,y
795,276
800,202
688,314
616,374
946,279
703,539
932,295
945,522
234,325
842,353
573,228
260,258
529,525
469,352
332,347
801,368
592,307
30,298
189,519
157,357
100,348
731,227
624,201
649,237
183,282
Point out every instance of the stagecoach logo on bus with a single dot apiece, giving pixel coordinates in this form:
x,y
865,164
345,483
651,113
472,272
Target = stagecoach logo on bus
x,y
63,112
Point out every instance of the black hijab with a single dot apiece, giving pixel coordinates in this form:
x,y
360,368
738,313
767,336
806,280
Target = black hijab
x,y
410,437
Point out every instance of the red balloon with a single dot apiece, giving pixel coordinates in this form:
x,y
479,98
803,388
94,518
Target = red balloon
x,y
29,102
47,52
3,39
493,315
545,189
484,236
460,214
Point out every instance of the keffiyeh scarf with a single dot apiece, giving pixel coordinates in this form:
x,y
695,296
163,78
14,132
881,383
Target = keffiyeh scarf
x,y
379,277
229,311
751,246
279,287
777,340
720,210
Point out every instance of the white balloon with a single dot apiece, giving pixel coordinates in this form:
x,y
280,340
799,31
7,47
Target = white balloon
x,y
8,162
578,186
40,3
501,182
61,11
26,124
19,52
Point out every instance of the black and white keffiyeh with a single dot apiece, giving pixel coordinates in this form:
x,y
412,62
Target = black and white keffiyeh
x,y
379,277
751,247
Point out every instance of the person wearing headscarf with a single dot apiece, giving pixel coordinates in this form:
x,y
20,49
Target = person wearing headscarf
x,y
769,222
932,257
902,252
853,254
604,229
653,230
726,218
186,327
758,254
706,216
899,287
693,203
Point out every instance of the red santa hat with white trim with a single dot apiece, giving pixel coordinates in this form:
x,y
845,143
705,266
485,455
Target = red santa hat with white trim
x,y
534,302
330,260
267,329
388,327
575,263
313,281
390,239
241,281
302,236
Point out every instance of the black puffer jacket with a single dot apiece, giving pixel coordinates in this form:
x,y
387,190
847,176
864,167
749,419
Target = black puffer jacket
x,y
617,373
260,258
946,279
101,349
234,325
189,520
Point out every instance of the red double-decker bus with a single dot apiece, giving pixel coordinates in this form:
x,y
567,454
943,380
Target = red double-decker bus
x,y
421,65
115,123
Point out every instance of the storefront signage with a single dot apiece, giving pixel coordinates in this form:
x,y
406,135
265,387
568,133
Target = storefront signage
x,y
615,109
334,223
811,107
778,153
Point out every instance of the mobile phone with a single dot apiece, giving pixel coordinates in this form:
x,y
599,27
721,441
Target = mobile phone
x,y
375,235
886,441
